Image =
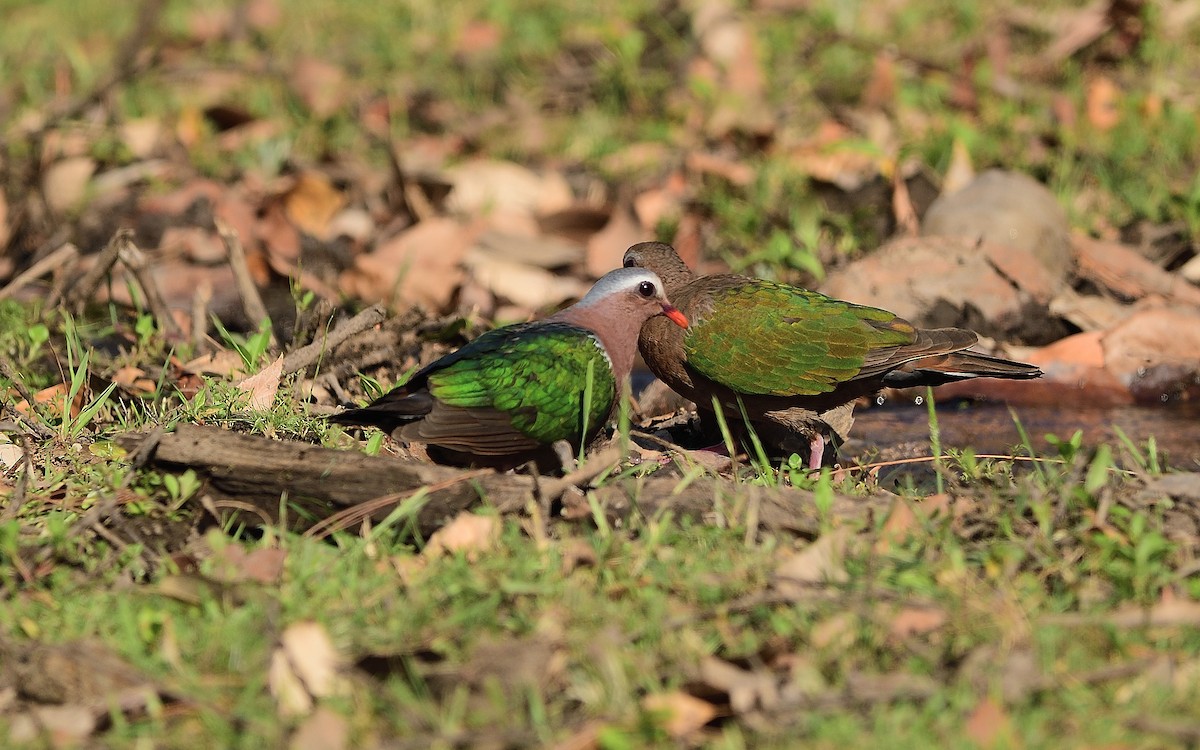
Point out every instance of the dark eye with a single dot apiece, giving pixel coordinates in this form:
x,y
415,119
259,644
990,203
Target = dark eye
x,y
630,262
646,289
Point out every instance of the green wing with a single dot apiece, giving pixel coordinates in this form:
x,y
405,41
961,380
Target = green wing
x,y
537,373
771,339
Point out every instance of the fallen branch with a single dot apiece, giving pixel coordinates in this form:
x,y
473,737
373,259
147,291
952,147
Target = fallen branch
x,y
319,481
252,301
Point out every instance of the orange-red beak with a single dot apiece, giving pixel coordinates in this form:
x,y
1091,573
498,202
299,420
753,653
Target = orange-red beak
x,y
675,316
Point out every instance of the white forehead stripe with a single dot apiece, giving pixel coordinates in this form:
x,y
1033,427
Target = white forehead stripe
x,y
620,280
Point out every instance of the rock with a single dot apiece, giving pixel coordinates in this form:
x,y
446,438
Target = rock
x,y
1006,208
996,290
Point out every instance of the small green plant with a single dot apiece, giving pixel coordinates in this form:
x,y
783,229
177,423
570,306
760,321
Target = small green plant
x,y
253,348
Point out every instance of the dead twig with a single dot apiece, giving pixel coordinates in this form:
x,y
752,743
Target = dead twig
x,y
102,266
61,257
1181,730
252,301
135,260
306,355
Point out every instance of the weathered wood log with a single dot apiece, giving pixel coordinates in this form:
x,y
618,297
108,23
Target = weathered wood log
x,y
319,481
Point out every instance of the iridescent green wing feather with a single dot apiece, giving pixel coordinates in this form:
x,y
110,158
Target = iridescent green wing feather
x,y
764,338
537,373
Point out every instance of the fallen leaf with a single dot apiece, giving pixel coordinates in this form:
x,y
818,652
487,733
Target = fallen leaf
x,y
320,84
1125,272
197,244
421,265
263,385
837,632
912,621
312,203
880,89
746,690
323,730
817,564
737,173
607,247
481,186
262,14
531,288
224,363
65,182
469,533
232,564
898,528
10,455
680,713
304,667
989,726
134,380
1103,103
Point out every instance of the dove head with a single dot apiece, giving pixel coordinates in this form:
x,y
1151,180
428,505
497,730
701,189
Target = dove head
x,y
662,259
632,293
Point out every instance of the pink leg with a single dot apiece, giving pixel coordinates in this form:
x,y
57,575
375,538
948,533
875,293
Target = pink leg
x,y
816,450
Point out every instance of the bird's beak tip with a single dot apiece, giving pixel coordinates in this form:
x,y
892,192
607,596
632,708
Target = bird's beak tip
x,y
675,316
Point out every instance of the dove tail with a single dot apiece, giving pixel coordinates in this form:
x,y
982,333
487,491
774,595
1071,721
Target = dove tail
x,y
960,365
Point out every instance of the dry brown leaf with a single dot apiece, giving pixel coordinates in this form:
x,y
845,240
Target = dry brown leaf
x,y
262,14
420,266
478,38
142,136
53,399
585,738
320,84
900,525
607,247
10,455
1103,103
1153,337
197,244
263,385
65,182
1124,271
482,186
63,726
837,632
681,713
312,203
280,240
746,690
468,533
233,564
989,726
530,288
224,363
209,24
134,380
912,621
817,564
880,91
323,730
830,155
737,173
304,667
